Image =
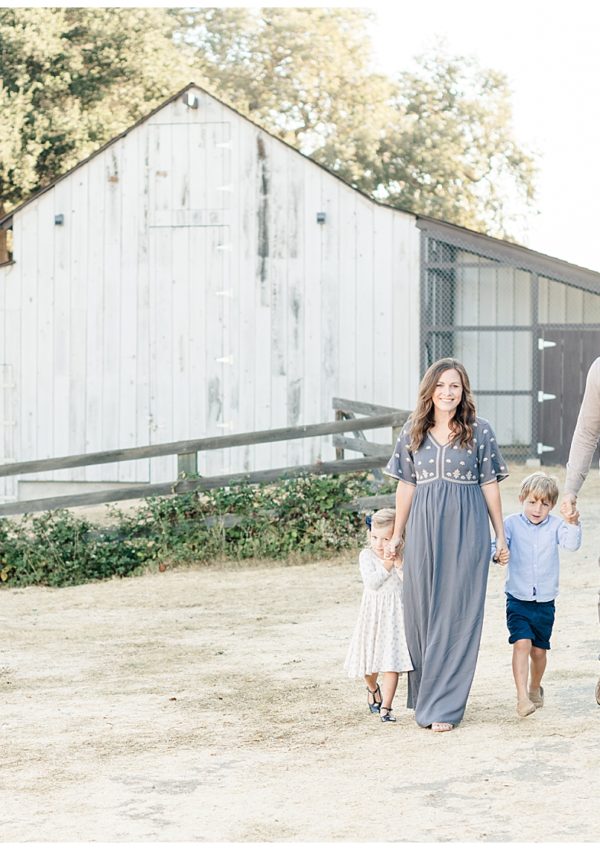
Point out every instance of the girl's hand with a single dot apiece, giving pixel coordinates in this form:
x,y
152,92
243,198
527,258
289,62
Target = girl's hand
x,y
392,547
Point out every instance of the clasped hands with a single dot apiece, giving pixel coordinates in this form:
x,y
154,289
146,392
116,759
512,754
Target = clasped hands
x,y
502,554
568,509
390,549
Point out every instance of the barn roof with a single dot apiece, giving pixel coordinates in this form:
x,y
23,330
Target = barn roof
x,y
6,219
501,249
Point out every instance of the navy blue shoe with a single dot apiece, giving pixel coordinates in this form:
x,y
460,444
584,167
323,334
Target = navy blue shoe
x,y
376,704
386,715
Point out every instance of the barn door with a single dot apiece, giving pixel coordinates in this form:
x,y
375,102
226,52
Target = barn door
x,y
565,357
191,294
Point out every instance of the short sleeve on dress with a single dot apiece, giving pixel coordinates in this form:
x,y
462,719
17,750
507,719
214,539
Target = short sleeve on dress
x,y
401,464
492,466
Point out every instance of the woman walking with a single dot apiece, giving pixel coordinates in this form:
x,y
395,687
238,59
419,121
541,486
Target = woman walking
x,y
448,466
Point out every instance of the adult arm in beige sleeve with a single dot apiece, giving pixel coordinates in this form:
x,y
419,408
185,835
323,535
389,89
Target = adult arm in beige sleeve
x,y
586,435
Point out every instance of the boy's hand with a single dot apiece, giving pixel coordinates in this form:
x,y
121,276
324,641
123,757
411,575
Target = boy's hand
x,y
569,514
568,506
502,555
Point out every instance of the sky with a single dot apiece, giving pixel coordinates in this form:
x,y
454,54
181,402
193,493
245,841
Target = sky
x,y
551,55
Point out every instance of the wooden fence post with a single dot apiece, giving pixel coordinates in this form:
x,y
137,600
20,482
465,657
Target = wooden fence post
x,y
339,450
187,464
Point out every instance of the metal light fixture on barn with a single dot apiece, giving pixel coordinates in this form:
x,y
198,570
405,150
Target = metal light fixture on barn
x,y
192,100
59,219
321,218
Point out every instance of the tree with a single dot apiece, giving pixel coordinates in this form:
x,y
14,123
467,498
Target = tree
x,y
449,151
436,141
302,73
73,78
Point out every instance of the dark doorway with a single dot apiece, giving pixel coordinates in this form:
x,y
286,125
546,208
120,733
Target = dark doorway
x,y
565,357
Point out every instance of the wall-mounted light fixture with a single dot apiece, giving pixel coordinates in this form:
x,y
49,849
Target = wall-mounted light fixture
x,y
321,218
59,219
192,100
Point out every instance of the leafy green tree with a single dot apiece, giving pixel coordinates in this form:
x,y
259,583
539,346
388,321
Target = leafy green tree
x,y
302,73
450,150
436,141
73,78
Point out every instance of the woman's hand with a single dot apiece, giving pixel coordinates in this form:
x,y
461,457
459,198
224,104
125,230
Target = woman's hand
x,y
502,552
391,548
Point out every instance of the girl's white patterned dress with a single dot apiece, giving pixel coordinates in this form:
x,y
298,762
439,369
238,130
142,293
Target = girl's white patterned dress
x,y
378,643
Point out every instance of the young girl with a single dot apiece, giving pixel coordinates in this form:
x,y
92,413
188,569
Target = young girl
x,y
378,643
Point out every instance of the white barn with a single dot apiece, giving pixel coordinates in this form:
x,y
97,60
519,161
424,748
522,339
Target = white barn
x,y
198,276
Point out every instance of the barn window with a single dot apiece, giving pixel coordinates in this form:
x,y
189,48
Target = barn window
x,y
6,246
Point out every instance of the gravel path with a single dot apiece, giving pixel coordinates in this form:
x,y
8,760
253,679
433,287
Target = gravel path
x,y
210,704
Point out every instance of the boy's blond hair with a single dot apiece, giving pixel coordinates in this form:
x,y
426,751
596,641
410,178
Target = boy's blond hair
x,y
539,486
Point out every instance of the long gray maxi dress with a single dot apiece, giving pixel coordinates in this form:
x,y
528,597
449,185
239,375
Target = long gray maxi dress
x,y
446,561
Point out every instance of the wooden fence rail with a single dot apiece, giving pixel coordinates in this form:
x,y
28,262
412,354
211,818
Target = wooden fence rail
x,y
376,456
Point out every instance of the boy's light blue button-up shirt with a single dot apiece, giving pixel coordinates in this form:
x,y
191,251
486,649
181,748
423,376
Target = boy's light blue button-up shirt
x,y
533,566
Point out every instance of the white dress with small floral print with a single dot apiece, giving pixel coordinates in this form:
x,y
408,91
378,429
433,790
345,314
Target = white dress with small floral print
x,y
378,643
447,555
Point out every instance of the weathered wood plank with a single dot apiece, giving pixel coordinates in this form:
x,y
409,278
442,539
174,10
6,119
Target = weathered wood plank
x,y
142,491
62,318
130,183
363,446
111,363
350,313
365,503
187,463
348,406
94,269
204,444
44,328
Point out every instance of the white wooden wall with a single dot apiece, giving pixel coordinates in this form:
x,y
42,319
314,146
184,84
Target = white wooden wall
x,y
191,292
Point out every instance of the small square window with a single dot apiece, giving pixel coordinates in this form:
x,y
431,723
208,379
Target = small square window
x,y
6,246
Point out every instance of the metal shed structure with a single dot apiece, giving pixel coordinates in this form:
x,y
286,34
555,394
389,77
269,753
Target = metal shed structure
x,y
197,276
526,326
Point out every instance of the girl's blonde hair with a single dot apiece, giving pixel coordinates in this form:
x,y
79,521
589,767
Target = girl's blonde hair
x,y
423,417
383,518
539,486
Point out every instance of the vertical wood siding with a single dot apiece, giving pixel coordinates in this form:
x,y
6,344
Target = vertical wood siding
x,y
191,292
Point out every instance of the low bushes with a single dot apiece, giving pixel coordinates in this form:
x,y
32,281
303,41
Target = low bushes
x,y
294,518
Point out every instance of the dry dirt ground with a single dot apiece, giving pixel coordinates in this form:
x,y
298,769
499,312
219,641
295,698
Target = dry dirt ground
x,y
210,704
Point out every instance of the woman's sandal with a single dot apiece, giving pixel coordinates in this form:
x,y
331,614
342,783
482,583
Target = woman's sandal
x,y
374,706
387,717
442,727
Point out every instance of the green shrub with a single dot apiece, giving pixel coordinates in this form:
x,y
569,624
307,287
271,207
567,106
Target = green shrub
x,y
295,517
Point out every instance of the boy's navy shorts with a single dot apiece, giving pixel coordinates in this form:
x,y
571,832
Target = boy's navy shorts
x,y
529,621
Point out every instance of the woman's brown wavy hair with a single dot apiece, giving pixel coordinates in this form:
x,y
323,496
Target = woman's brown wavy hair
x,y
423,417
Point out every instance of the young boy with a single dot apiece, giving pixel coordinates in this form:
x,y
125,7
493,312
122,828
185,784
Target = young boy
x,y
533,538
